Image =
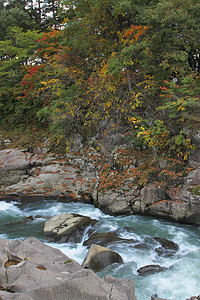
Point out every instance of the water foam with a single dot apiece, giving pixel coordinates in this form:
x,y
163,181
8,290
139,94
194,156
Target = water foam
x,y
178,282
74,251
10,209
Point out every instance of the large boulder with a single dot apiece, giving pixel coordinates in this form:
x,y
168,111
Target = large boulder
x,y
154,201
67,227
99,257
31,270
113,202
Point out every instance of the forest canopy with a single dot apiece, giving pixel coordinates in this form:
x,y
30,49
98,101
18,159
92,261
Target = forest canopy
x,y
87,65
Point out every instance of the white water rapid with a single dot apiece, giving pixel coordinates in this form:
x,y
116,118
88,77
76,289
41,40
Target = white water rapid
x,y
181,278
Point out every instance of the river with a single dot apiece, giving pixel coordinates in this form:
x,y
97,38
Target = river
x,y
179,281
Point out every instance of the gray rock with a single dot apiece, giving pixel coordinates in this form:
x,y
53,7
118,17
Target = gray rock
x,y
125,286
167,244
14,296
156,298
67,227
194,298
151,197
164,252
142,246
99,257
13,164
26,220
75,178
28,174
194,160
150,269
105,238
188,209
46,273
114,203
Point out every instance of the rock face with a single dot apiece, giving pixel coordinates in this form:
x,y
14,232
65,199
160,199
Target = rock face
x,y
13,165
99,257
28,174
31,270
67,227
77,178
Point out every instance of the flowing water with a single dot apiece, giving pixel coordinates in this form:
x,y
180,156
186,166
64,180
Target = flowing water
x,y
179,281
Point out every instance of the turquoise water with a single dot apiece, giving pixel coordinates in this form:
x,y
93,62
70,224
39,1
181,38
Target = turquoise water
x,y
179,281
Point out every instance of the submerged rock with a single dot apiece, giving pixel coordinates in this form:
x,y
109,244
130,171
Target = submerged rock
x,y
164,252
26,220
150,269
99,257
156,298
67,227
142,246
167,244
105,238
43,272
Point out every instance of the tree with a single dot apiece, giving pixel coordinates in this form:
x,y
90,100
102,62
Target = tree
x,y
12,13
18,23
130,65
14,55
174,37
50,14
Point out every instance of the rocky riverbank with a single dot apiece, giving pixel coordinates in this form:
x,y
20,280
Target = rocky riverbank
x,y
30,269
111,186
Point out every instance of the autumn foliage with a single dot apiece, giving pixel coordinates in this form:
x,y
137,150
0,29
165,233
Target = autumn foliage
x,y
114,65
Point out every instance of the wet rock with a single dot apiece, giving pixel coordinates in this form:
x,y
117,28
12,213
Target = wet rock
x,y
67,227
194,298
167,244
142,246
103,239
164,252
150,269
99,257
156,298
46,273
26,220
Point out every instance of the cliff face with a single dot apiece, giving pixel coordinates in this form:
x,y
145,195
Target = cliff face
x,y
109,184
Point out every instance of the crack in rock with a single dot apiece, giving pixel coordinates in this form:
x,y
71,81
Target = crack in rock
x,y
110,294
